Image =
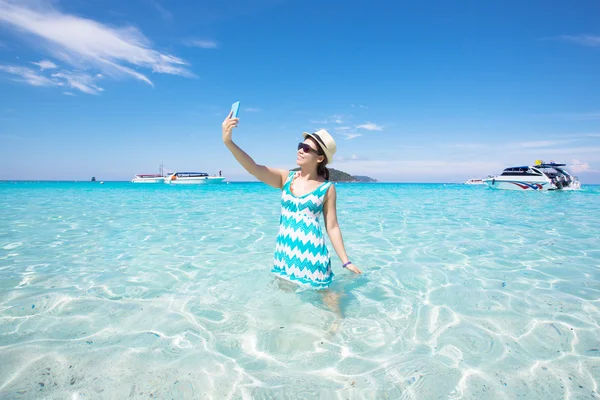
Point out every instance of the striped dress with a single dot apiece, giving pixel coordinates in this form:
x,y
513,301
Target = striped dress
x,y
301,254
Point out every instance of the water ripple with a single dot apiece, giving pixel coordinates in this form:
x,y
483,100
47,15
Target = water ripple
x,y
120,291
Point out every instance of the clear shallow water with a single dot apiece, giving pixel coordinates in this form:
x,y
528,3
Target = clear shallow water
x,y
131,291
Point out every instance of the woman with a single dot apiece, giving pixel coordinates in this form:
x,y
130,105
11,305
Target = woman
x,y
301,254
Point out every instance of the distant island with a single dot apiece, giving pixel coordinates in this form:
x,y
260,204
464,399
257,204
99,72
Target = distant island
x,y
363,178
336,175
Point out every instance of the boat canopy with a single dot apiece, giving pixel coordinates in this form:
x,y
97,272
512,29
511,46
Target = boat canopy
x,y
551,165
520,171
190,174
516,169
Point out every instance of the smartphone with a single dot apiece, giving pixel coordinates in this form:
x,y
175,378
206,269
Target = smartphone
x,y
235,108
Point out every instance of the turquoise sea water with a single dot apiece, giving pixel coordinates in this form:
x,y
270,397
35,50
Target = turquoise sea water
x,y
137,291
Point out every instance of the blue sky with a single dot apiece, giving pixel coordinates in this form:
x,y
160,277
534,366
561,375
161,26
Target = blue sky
x,y
430,91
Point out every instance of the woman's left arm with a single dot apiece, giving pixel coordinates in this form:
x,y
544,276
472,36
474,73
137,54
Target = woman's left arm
x,y
333,228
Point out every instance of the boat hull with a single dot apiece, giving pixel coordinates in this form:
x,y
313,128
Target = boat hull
x,y
148,180
195,181
519,184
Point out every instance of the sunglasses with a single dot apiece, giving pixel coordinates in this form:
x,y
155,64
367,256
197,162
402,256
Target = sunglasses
x,y
307,149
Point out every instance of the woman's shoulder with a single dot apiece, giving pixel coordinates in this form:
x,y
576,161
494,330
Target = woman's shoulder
x,y
325,185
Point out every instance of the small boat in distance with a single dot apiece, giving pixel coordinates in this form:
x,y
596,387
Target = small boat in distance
x,y
474,181
150,178
192,178
541,176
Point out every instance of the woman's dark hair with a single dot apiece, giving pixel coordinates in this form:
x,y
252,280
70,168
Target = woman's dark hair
x,y
321,167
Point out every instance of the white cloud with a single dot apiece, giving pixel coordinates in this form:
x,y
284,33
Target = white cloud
x,y
370,127
578,166
251,109
548,153
350,159
347,131
419,170
203,44
69,93
27,75
338,119
166,14
45,64
506,148
83,82
84,43
80,81
583,40
437,163
542,143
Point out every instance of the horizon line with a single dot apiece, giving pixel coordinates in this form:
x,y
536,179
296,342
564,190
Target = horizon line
x,y
98,181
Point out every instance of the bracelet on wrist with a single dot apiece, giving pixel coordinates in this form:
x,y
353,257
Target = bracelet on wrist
x,y
346,264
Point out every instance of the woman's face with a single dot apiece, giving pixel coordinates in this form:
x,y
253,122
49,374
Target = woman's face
x,y
308,154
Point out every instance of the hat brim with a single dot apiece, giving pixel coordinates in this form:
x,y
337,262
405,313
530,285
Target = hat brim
x,y
321,145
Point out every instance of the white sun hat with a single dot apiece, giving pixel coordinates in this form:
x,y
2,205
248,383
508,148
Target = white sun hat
x,y
325,141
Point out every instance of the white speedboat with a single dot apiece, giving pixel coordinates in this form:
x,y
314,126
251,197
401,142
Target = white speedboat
x,y
148,178
474,181
192,178
541,176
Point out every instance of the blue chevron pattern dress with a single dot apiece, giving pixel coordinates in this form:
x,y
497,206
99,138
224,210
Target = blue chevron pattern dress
x,y
301,254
